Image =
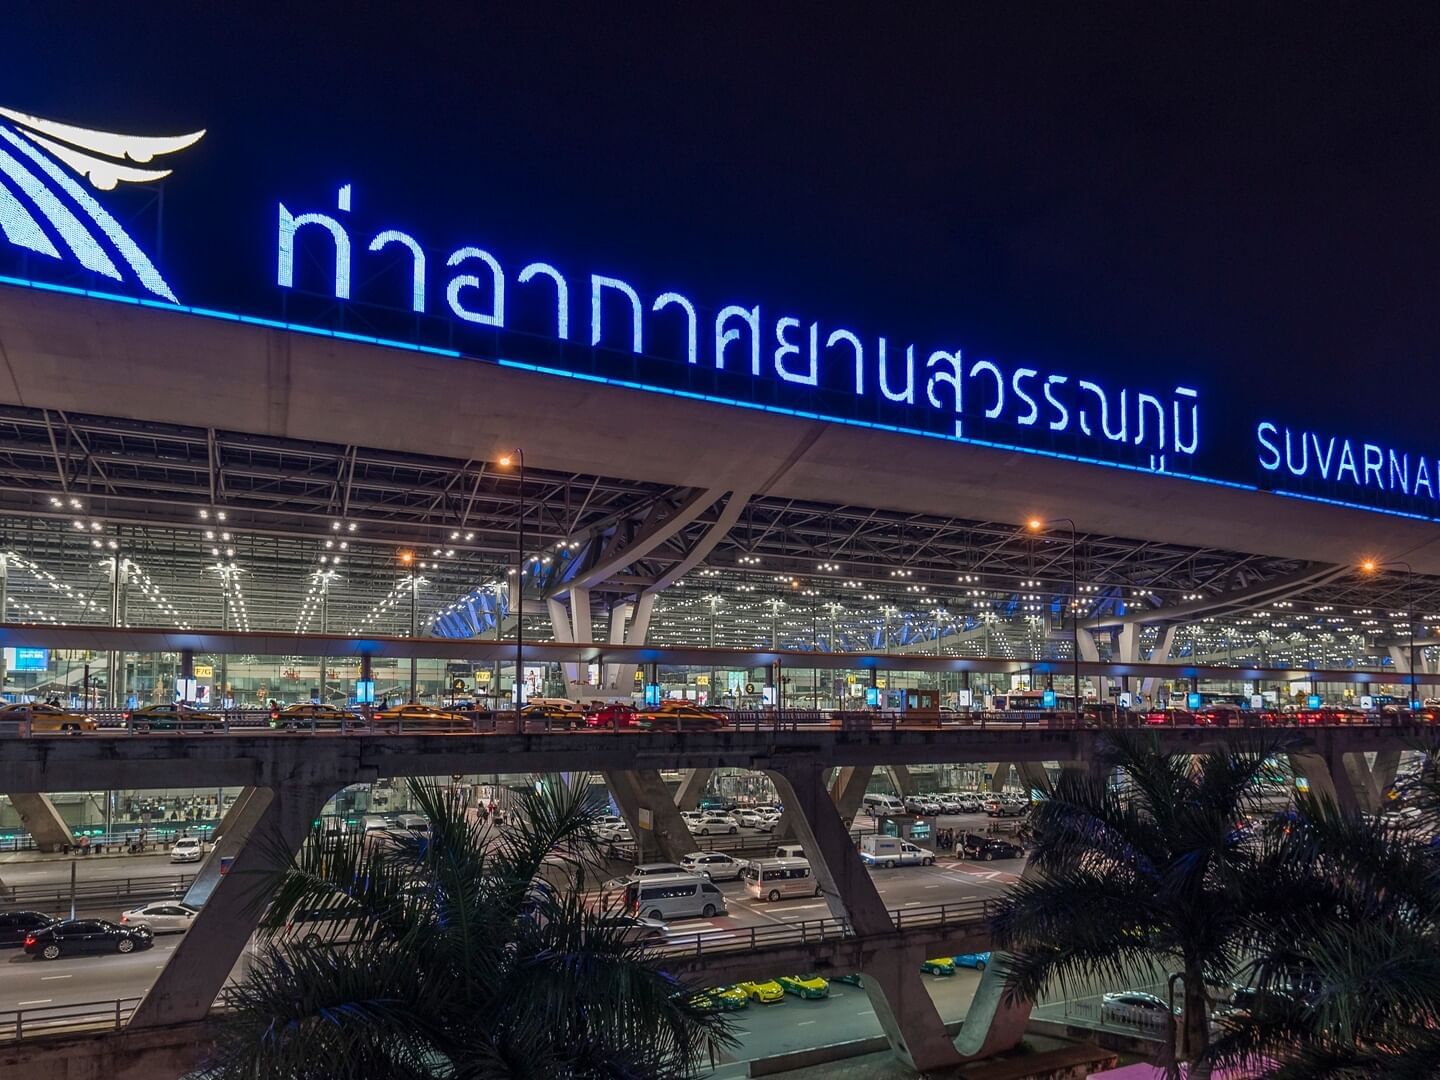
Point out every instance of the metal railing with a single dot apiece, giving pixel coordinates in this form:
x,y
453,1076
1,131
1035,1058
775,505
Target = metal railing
x,y
98,890
815,931
17,1024
767,720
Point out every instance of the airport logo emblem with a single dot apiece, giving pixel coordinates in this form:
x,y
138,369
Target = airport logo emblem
x,y
45,210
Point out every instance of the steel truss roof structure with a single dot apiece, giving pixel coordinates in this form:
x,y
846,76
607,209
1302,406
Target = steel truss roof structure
x,y
216,528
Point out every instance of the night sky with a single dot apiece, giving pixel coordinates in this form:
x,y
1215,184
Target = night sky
x,y
1236,196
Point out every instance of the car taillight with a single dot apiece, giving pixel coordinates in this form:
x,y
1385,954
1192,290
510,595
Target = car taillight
x,y
29,939
127,716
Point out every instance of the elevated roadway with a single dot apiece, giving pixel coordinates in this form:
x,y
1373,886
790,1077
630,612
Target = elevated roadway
x,y
107,761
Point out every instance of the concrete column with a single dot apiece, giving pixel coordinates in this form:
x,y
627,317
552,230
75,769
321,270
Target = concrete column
x,y
1090,653
1387,764
42,821
901,778
234,830
1325,780
609,677
848,790
890,977
994,1023
560,626
999,776
633,789
196,973
635,635
1159,655
692,786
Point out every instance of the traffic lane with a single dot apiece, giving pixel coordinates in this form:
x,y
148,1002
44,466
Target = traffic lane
x,y
845,1016
87,868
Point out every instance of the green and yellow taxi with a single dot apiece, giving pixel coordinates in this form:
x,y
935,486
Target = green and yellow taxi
x,y
941,965
766,992
805,986
722,998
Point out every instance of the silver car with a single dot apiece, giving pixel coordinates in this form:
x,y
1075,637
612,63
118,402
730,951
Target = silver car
x,y
715,865
163,917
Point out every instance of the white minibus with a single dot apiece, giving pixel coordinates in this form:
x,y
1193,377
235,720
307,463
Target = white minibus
x,y
674,896
777,879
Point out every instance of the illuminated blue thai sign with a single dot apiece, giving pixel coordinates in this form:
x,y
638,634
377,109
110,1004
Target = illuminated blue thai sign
x,y
283,256
1157,429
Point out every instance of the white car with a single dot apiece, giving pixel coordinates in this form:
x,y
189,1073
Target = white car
x,y
164,917
616,834
188,849
715,823
715,865
754,819
692,816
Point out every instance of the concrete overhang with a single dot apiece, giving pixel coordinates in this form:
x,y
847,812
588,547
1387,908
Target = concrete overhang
x,y
93,356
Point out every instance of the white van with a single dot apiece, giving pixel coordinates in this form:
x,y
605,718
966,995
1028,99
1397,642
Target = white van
x,y
891,851
876,805
777,879
674,896
789,851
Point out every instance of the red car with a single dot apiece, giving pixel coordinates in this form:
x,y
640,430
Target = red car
x,y
616,715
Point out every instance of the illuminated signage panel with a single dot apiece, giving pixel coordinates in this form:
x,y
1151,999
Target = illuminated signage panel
x,y
334,259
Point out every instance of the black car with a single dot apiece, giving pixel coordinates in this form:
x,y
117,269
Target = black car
x,y
74,937
16,926
989,848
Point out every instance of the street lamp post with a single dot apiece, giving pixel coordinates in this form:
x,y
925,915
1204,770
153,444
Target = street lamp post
x,y
1035,525
1371,566
518,457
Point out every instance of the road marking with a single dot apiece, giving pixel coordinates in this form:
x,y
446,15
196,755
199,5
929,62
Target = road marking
x,y
932,886
41,1001
802,1023
48,978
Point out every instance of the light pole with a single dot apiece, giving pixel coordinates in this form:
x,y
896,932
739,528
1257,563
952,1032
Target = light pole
x,y
518,457
407,560
1371,566
1035,525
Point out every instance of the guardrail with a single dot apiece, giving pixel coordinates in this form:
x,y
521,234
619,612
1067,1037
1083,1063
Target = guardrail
x,y
786,720
97,891
17,1024
814,931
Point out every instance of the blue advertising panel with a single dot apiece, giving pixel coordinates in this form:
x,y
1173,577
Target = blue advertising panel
x,y
27,659
1047,699
1193,701
1314,701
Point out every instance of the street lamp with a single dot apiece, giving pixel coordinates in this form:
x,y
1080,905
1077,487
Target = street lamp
x,y
1372,566
1035,525
407,560
518,457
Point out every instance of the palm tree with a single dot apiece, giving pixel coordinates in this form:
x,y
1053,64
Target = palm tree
x,y
1346,946
1137,880
470,954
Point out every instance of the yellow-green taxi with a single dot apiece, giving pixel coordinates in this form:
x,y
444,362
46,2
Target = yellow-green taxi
x,y
767,992
722,998
805,986
941,965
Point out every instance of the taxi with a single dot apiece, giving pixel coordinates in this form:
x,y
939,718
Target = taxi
x,y
722,999
941,965
308,715
420,718
46,719
805,986
170,717
766,992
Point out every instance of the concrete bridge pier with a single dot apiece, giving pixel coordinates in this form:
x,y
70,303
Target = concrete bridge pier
x,y
200,964
42,820
234,830
891,978
692,786
669,838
